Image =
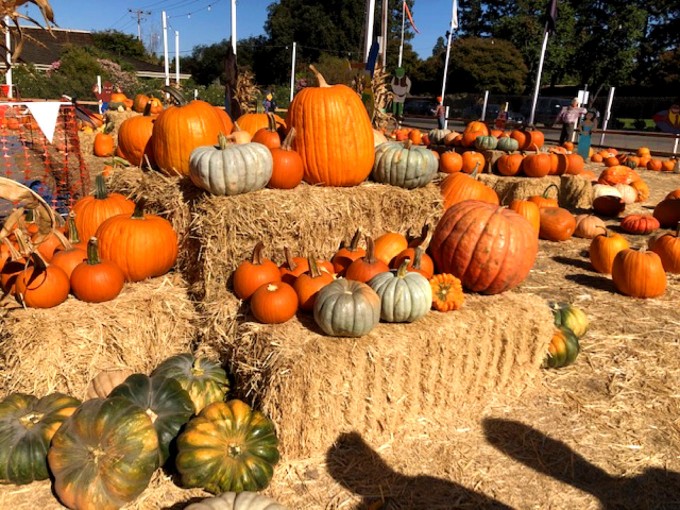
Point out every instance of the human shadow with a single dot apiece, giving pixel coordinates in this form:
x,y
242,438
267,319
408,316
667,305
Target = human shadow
x,y
360,469
654,489
595,282
570,261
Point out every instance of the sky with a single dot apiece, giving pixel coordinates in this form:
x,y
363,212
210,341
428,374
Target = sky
x,y
205,22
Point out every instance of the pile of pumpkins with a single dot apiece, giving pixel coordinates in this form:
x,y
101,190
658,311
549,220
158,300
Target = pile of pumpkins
x,y
102,452
571,324
642,158
391,279
107,240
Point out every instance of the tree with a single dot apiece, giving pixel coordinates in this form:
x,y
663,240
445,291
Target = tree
x,y
119,44
486,64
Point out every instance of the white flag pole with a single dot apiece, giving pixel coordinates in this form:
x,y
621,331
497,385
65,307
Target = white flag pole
x,y
165,49
454,26
233,26
486,101
292,73
370,20
607,114
8,58
385,9
403,22
538,76
177,57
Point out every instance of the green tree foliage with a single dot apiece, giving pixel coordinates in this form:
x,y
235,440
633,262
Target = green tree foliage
x,y
486,64
119,43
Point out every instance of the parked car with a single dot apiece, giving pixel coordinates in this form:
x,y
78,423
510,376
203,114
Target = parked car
x,y
475,113
547,109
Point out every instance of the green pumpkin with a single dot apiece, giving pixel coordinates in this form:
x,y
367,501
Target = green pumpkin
x,y
563,349
231,168
164,400
103,455
488,143
347,308
205,380
570,316
27,425
437,135
404,164
507,144
405,296
227,447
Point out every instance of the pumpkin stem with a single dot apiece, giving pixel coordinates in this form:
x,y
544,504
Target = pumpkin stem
x,y
417,257
313,266
475,170
222,141
147,109
420,240
319,77
289,258
546,190
354,243
100,191
677,230
408,143
370,251
257,253
288,140
403,268
175,94
138,213
73,236
93,252
271,120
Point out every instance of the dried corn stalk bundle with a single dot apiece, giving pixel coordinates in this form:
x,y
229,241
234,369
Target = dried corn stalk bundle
x,y
246,91
381,97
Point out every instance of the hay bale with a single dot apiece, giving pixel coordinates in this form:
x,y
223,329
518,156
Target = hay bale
x,y
307,219
169,197
575,192
426,373
62,348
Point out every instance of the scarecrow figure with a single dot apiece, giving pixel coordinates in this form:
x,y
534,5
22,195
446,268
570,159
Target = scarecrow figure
x,y
401,85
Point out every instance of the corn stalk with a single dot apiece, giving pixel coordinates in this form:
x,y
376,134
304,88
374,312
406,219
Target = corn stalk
x,y
246,91
8,8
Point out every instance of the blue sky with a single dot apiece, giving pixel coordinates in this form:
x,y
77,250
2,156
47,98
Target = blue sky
x,y
209,21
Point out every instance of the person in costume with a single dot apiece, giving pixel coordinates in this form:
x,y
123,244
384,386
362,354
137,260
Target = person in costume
x,y
668,121
401,85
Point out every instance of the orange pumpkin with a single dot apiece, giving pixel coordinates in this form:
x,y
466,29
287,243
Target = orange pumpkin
x,y
604,248
473,160
460,186
308,285
134,134
178,130
389,245
103,145
544,200
41,285
274,303
530,211
638,274
253,122
557,224
141,101
334,134
366,267
287,170
536,165
249,275
269,135
450,162
667,247
509,164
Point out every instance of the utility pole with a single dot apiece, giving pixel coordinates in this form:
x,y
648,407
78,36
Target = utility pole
x,y
139,13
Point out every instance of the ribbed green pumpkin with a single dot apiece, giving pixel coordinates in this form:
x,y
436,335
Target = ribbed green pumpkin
x,y
488,143
205,380
231,168
103,456
404,164
437,135
507,144
164,400
27,425
227,447
571,317
237,501
563,349
347,308
405,296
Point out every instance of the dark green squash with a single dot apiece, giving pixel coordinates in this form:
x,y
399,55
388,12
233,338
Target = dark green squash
x,y
563,349
205,380
27,425
165,401
104,455
227,447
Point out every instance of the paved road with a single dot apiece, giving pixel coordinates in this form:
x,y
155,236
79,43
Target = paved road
x,y
658,143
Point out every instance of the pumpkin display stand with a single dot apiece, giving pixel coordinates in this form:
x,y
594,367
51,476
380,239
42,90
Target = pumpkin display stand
x,y
63,348
575,192
424,374
221,231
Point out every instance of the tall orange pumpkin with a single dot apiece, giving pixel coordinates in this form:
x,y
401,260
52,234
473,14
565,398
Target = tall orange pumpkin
x,y
178,130
334,135
134,134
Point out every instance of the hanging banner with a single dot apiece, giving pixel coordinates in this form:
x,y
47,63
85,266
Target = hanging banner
x,y
45,115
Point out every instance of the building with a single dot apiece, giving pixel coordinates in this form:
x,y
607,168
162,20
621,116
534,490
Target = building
x,y
42,49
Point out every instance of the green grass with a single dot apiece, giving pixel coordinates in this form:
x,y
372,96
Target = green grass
x,y
629,123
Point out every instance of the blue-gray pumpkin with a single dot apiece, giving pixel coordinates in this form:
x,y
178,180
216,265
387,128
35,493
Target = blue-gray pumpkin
x,y
231,168
347,308
404,164
488,143
405,296
507,144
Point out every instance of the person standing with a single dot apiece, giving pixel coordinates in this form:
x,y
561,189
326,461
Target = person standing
x,y
440,113
568,117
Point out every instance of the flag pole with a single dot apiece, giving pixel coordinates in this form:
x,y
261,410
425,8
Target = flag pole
x,y
370,20
454,26
403,22
538,76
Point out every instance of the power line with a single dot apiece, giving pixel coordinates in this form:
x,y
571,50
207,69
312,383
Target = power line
x,y
139,13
